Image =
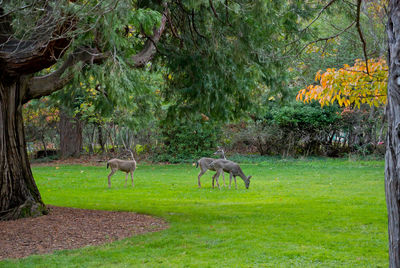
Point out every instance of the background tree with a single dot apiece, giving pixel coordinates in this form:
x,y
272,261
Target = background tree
x,y
40,120
225,51
71,140
350,85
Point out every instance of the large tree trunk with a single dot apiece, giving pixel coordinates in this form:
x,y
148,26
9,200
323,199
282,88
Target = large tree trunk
x,y
19,196
70,135
392,168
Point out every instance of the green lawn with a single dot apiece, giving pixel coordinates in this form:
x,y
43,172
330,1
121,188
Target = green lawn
x,y
305,213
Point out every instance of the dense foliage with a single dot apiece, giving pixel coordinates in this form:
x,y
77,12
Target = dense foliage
x,y
222,63
218,65
186,141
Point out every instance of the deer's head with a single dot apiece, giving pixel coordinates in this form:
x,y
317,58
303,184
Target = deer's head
x,y
220,152
247,182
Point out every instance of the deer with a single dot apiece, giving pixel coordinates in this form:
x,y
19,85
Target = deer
x,y
223,165
205,162
127,166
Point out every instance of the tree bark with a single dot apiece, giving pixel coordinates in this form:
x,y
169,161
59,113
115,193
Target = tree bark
x,y
70,135
44,145
91,140
100,134
19,195
392,186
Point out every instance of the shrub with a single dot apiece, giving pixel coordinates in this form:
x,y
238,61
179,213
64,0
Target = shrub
x,y
185,141
298,129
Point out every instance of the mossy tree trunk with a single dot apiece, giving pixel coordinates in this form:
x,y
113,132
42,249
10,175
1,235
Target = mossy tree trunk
x,y
19,196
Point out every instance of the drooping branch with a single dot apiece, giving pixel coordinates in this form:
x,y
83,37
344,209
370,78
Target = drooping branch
x,y
149,49
327,38
364,44
194,26
47,84
318,15
171,25
227,13
214,11
186,21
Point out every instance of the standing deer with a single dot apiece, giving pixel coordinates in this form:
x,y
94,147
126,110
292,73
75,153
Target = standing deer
x,y
205,162
127,166
223,165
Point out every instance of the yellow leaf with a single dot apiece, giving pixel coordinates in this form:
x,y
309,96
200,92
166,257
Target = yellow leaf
x,y
340,101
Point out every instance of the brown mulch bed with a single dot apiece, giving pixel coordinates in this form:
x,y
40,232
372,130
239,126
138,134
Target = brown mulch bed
x,y
70,228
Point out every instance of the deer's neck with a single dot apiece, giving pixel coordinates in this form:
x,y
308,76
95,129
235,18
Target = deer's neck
x,y
223,156
241,174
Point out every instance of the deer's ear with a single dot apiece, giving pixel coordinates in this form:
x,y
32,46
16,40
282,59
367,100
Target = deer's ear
x,y
249,178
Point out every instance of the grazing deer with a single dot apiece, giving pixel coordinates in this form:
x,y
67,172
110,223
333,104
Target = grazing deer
x,y
127,166
223,165
205,162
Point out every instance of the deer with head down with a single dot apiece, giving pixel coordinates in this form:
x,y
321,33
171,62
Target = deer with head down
x,y
127,166
223,165
204,164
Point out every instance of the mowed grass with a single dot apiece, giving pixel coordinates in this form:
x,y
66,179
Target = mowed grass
x,y
305,213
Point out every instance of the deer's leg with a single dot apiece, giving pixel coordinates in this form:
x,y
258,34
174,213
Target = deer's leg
x,y
109,177
223,177
132,178
234,177
198,177
230,179
213,179
216,178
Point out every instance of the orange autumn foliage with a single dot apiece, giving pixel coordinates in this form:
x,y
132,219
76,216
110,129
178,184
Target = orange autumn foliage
x,y
350,85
